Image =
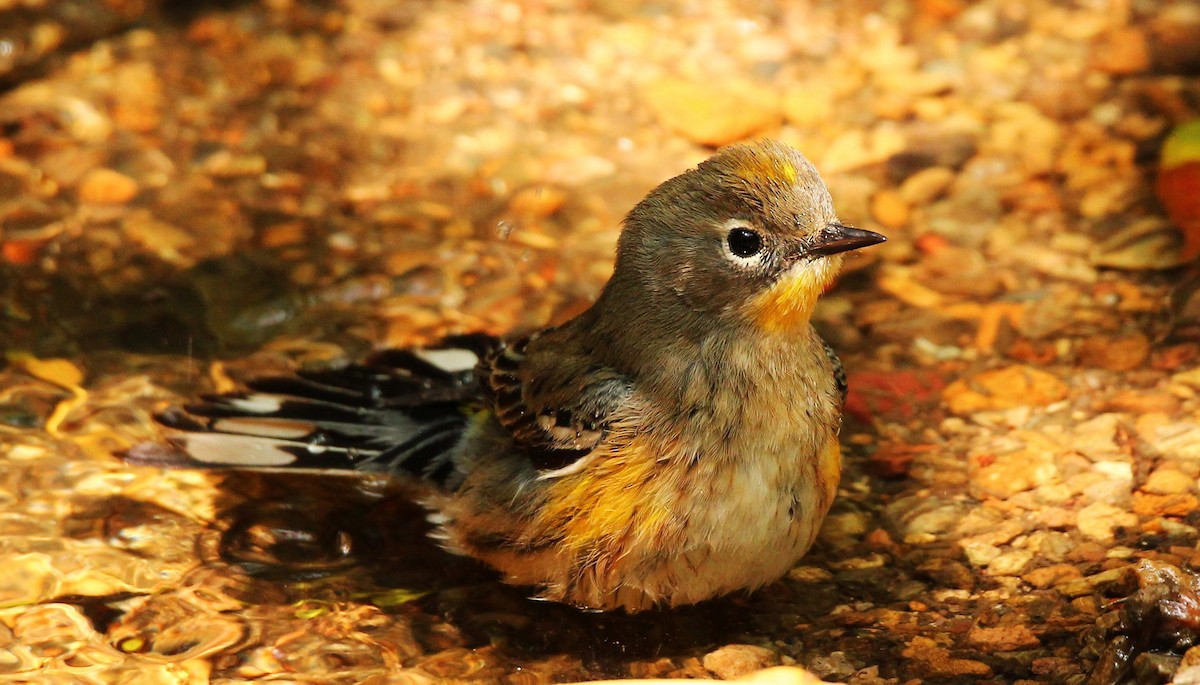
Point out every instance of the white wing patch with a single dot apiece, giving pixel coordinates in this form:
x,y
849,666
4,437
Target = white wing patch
x,y
450,360
287,429
238,450
257,403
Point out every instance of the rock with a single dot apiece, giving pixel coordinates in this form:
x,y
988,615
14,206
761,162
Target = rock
x,y
1008,474
107,187
1123,51
926,185
713,113
1168,481
1002,638
1009,563
735,661
930,660
808,106
1114,354
889,209
1049,576
1098,520
1004,388
1147,504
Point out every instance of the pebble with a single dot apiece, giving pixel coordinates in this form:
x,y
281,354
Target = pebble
x,y
1168,481
1009,563
926,185
890,209
1002,638
1099,519
932,661
1050,576
107,187
713,113
1147,504
736,661
1011,473
1004,388
1123,51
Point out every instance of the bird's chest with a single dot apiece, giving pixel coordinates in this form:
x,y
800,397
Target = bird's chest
x,y
764,440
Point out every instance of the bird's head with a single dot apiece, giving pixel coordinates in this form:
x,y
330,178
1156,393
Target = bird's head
x,y
749,236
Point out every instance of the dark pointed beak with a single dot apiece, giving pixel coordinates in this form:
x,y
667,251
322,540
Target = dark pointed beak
x,y
838,238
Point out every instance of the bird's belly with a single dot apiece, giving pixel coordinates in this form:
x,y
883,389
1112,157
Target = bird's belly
x,y
754,531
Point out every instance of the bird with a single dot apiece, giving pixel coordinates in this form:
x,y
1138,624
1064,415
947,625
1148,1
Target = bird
x,y
675,442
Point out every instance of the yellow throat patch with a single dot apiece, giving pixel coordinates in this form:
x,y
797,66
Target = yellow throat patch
x,y
789,302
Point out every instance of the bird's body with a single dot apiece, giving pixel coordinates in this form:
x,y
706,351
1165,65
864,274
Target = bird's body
x,y
675,442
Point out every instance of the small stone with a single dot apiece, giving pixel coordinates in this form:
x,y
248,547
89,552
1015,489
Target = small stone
x,y
1098,521
1190,658
1123,51
808,106
1147,504
1049,576
713,113
1010,563
107,187
1114,354
979,553
1142,402
926,185
1004,388
889,209
1168,481
735,661
1002,638
1190,378
1015,472
930,660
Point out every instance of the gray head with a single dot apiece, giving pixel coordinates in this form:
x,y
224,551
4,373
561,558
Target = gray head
x,y
748,236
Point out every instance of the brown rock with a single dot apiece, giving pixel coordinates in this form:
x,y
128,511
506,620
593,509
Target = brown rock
x,y
1098,520
930,660
1123,51
808,106
716,113
1002,638
889,209
1168,481
1163,505
926,185
1114,354
1008,474
1004,388
1142,401
735,661
107,187
1049,576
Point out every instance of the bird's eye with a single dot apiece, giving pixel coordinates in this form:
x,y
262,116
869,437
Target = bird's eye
x,y
744,243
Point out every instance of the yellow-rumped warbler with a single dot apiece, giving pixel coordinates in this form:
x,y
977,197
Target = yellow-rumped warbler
x,y
675,442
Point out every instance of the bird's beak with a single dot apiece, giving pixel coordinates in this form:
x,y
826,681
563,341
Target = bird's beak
x,y
837,238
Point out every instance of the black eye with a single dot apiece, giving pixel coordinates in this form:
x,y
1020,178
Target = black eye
x,y
744,243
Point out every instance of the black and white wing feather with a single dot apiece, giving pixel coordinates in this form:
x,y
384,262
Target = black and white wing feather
x,y
399,411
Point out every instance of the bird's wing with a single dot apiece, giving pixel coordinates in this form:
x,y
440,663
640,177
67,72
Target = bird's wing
x,y
839,371
555,416
398,411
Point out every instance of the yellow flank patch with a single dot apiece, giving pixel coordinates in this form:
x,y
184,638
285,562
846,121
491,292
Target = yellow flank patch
x,y
612,499
789,302
829,470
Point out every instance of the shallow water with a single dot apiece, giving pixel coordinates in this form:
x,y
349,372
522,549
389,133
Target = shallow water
x,y
194,194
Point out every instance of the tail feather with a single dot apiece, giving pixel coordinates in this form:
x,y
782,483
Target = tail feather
x,y
398,412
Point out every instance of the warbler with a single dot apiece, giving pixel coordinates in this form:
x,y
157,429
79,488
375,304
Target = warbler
x,y
675,442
